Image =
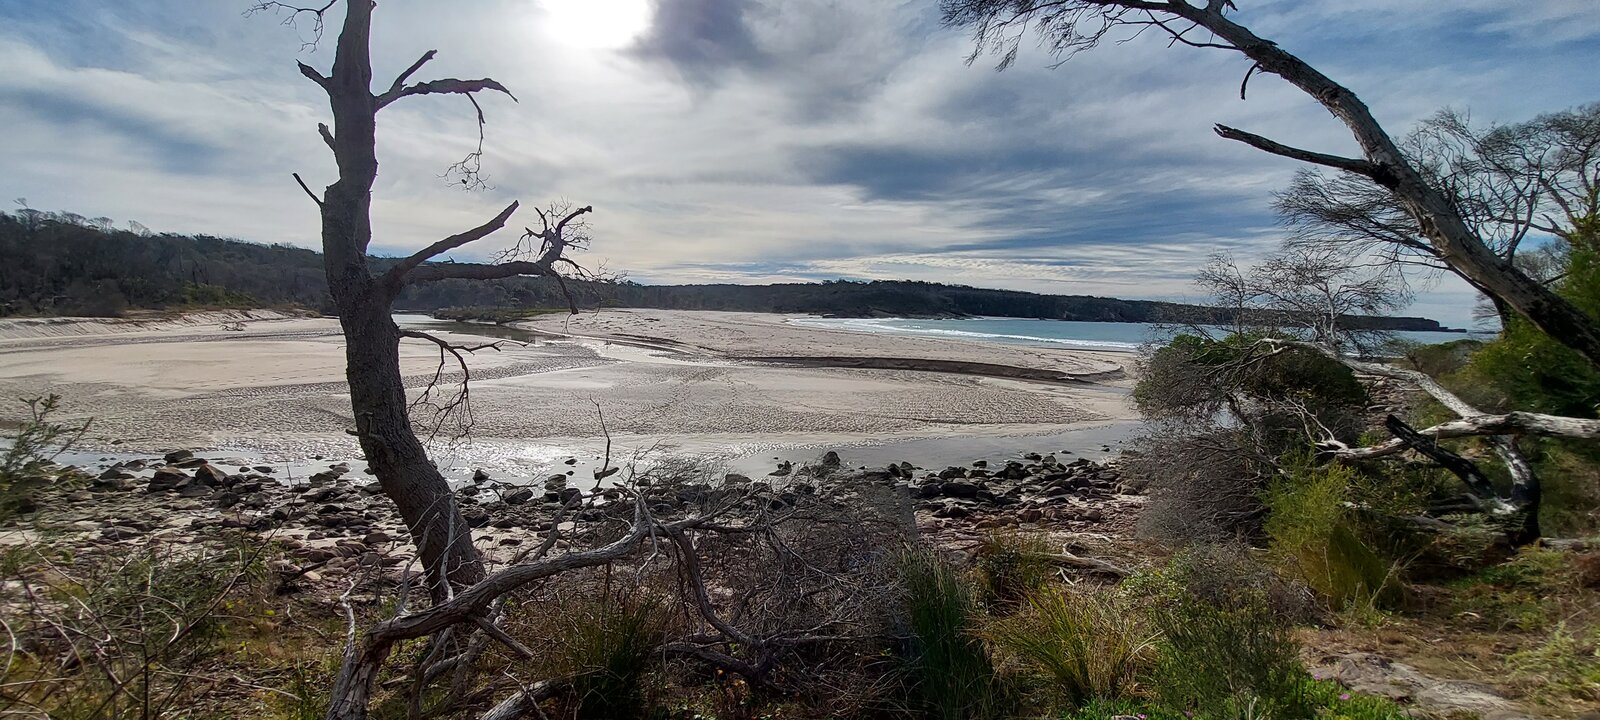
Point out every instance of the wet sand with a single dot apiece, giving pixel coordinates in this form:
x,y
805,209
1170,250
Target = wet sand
x,y
663,381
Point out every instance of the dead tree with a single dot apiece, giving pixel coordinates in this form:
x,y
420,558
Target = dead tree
x,y
364,296
1071,26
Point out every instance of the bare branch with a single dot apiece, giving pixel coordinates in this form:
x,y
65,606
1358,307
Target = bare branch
x,y
400,82
1361,167
447,86
396,276
316,77
309,194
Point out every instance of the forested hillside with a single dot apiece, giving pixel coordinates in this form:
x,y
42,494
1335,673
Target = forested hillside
x,y
64,264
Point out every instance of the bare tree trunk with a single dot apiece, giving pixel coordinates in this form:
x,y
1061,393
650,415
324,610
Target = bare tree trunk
x,y
372,341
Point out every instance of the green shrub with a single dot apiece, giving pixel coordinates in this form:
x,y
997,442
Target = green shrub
x,y
1232,661
1311,534
1011,566
1089,645
951,676
25,465
151,621
608,649
1565,664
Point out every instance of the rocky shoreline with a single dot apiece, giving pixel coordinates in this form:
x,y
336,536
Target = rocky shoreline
x,y
337,522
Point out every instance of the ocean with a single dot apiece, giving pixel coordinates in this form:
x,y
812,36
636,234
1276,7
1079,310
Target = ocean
x,y
1104,336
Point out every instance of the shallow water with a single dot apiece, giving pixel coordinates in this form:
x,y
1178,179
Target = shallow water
x,y
1104,336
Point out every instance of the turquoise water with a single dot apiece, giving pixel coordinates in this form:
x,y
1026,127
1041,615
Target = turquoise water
x,y
1106,336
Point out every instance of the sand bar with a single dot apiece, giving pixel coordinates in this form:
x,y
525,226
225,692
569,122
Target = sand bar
x,y
274,389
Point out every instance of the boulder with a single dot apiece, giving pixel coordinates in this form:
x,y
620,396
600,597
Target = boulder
x,y
520,496
177,456
168,478
211,475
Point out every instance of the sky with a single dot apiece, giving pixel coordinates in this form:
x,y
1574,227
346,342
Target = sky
x,y
758,141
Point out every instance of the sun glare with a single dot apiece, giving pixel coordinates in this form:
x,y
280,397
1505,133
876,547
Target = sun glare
x,y
601,24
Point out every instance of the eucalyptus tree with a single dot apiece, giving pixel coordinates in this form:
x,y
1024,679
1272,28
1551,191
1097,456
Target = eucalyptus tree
x,y
1067,27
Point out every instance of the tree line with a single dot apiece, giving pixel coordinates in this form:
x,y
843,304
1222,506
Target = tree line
x,y
64,264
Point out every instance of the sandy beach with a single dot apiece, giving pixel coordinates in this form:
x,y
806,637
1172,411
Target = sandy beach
x,y
670,381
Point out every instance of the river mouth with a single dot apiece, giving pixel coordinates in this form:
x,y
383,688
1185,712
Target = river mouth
x,y
579,449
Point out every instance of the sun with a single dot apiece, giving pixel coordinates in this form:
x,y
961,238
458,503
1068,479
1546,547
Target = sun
x,y
597,24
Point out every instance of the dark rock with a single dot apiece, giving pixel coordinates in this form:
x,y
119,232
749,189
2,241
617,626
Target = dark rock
x,y
952,472
190,463
959,489
376,538
168,478
784,468
520,496
567,495
116,472
475,517
225,499
571,461
177,456
479,476
195,490
210,475
830,459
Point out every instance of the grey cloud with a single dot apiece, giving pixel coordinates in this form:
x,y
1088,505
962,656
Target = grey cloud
x,y
701,39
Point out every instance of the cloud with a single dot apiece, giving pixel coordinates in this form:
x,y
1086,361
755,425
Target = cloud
x,y
759,139
701,39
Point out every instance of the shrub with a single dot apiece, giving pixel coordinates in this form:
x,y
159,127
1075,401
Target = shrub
x,y
1090,645
1564,664
145,623
608,648
1312,535
1232,661
951,676
1011,566
25,464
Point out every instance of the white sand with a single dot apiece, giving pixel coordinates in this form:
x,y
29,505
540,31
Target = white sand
x,y
277,388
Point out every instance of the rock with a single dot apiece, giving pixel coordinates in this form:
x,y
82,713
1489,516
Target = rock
x,y
520,496
195,490
118,532
980,463
571,461
567,495
167,478
116,472
784,468
475,517
190,463
177,456
1372,674
210,475
957,489
1030,515
225,499
555,482
831,459
377,537
736,479
479,476
267,469
952,473
952,511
